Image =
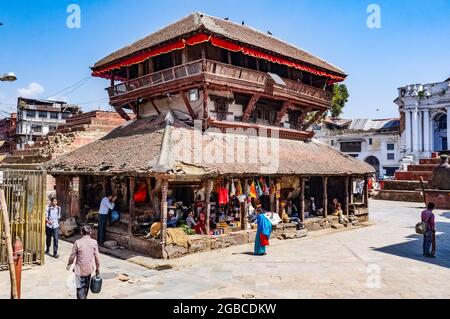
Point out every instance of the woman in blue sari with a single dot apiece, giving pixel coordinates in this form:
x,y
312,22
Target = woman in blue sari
x,y
263,234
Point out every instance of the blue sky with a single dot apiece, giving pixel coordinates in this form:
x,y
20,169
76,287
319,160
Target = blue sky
x,y
412,45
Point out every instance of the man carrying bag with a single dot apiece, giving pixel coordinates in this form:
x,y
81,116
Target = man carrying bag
x,y
427,228
85,254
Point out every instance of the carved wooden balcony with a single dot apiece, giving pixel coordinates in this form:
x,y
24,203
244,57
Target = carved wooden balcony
x,y
218,76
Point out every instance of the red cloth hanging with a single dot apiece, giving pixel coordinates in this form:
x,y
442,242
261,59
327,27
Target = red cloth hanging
x,y
141,194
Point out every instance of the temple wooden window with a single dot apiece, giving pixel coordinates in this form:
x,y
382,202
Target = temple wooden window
x,y
265,112
279,69
163,61
293,119
263,65
224,56
221,106
237,59
194,53
133,71
213,53
296,75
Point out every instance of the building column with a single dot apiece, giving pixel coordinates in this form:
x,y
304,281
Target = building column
x,y
408,131
164,208
346,201
415,130
325,197
302,199
131,205
209,187
426,132
448,127
420,132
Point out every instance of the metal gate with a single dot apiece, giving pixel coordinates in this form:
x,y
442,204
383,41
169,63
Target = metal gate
x,y
25,198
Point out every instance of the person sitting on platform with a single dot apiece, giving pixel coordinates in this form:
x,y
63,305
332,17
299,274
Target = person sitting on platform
x,y
172,220
339,212
190,220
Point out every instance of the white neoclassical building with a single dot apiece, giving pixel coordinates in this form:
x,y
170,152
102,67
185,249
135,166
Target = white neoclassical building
x,y
425,115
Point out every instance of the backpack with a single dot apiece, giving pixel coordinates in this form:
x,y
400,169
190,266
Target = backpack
x,y
421,227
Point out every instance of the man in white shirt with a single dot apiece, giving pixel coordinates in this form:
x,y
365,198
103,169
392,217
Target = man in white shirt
x,y
52,217
106,205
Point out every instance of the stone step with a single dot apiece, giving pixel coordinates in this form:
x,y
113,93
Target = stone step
x,y
421,168
413,176
401,196
430,161
403,185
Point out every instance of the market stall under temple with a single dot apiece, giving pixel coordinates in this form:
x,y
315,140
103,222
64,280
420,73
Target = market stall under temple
x,y
223,117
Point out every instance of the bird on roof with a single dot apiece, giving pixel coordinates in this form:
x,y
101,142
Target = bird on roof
x,y
243,22
270,33
226,18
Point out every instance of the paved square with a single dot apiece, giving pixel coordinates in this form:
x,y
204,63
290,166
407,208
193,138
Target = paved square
x,y
380,261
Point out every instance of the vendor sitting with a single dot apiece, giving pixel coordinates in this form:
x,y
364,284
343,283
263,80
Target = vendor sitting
x,y
190,220
172,220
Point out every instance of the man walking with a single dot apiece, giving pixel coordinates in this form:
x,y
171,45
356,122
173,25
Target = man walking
x,y
86,256
52,217
106,204
428,237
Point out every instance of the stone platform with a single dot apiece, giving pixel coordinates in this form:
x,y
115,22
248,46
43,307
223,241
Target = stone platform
x,y
406,186
441,198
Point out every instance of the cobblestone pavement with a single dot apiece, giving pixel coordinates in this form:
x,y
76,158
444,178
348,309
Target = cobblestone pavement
x,y
380,261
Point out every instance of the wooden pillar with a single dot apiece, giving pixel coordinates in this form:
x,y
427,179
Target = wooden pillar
x,y
209,186
366,192
150,65
141,69
184,56
302,199
325,197
164,191
113,77
277,200
131,205
205,106
347,183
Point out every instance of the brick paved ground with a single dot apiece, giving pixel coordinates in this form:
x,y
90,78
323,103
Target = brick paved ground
x,y
380,261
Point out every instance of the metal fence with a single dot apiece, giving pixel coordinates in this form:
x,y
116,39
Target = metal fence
x,y
25,198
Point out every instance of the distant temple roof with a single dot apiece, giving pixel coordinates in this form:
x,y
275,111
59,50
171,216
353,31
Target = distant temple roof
x,y
364,124
202,23
140,147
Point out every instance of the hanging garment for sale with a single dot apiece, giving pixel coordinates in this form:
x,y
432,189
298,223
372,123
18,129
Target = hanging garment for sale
x,y
232,189
226,198
253,190
238,188
259,191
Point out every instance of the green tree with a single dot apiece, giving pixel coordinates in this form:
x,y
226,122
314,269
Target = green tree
x,y
340,97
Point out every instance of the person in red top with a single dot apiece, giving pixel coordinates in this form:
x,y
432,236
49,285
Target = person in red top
x,y
429,236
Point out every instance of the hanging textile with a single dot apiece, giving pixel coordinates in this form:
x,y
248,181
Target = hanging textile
x,y
267,188
232,189
238,188
253,190
278,191
141,194
259,190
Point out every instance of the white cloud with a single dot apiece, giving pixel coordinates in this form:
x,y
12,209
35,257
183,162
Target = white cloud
x,y
33,90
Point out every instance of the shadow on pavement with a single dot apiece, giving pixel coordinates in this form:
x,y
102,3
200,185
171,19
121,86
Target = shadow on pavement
x,y
412,249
